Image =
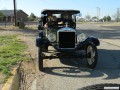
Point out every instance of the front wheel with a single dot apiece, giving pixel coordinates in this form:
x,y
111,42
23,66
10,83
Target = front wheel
x,y
91,56
40,59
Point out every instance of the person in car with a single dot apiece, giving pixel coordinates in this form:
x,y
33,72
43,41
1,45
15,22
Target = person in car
x,y
50,20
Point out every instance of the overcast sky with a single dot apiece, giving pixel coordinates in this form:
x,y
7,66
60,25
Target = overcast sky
x,y
107,7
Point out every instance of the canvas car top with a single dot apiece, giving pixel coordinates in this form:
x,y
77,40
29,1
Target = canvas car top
x,y
45,11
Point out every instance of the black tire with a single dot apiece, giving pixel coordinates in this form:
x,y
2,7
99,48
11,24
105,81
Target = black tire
x,y
40,59
91,56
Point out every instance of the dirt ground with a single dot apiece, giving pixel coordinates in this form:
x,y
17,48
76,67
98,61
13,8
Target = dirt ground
x,y
27,70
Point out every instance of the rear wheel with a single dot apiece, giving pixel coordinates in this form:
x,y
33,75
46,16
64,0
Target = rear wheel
x,y
40,59
91,56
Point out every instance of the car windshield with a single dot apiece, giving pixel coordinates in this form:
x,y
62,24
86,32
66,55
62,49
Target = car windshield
x,y
59,20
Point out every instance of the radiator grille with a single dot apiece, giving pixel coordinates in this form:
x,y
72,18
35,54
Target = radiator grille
x,y
66,39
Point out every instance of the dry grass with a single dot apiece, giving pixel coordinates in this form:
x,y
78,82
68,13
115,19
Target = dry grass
x,y
11,27
33,27
11,52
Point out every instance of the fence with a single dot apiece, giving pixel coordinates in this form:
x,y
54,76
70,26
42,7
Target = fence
x,y
27,24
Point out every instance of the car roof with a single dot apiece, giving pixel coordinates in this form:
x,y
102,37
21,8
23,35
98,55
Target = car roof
x,y
45,11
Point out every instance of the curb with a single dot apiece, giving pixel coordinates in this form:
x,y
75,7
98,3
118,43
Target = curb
x,y
13,81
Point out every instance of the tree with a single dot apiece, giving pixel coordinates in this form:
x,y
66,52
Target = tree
x,y
36,19
108,18
32,17
1,16
88,17
104,18
94,17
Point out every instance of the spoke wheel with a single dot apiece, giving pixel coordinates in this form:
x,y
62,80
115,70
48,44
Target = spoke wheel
x,y
40,59
91,56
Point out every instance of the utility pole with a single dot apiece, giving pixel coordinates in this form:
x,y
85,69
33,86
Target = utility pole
x,y
15,21
98,13
118,14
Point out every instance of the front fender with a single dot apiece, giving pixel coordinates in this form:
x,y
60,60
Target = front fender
x,y
89,40
93,40
39,41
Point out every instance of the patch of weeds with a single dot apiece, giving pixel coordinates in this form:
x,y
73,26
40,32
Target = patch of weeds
x,y
11,52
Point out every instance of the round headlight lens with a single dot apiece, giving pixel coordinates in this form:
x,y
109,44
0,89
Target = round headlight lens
x,y
81,37
51,37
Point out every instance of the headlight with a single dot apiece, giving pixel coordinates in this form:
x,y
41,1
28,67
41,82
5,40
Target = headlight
x,y
81,37
51,37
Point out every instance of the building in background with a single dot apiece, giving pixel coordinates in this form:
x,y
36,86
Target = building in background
x,y
9,15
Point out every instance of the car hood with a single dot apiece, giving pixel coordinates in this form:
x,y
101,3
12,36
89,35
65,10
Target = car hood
x,y
66,29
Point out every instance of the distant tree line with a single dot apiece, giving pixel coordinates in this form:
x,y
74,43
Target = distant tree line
x,y
106,18
32,17
96,19
116,17
1,16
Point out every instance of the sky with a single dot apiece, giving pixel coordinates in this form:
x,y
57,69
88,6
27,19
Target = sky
x,y
86,7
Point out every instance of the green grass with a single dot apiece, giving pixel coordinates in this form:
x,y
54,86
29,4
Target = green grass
x,y
11,52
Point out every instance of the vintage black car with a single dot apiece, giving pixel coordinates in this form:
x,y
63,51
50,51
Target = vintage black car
x,y
57,28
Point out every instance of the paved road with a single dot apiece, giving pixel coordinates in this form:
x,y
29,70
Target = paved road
x,y
108,32
72,74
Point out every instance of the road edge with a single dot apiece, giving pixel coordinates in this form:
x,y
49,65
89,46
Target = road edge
x,y
13,81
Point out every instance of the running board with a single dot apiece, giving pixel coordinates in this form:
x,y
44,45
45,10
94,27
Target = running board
x,y
63,56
